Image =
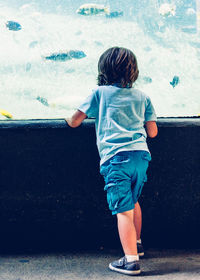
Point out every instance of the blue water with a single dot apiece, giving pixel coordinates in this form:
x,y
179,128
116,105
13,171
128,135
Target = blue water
x,y
166,47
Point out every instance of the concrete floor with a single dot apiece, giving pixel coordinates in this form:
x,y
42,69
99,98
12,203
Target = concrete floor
x,y
164,264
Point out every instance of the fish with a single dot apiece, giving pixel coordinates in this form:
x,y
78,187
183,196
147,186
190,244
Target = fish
x,y
43,100
13,25
167,10
64,56
115,14
6,114
92,9
51,104
175,81
147,80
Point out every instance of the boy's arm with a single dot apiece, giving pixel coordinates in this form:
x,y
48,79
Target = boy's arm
x,y
76,119
151,129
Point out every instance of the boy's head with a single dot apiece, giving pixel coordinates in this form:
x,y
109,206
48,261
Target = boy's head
x,y
117,65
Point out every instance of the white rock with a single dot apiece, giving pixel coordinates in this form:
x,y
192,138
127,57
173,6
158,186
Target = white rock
x,y
167,10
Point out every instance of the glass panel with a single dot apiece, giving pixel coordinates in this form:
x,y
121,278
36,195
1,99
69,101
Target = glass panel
x,y
49,52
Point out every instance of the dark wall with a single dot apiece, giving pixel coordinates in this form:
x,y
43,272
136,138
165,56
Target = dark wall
x,y
52,196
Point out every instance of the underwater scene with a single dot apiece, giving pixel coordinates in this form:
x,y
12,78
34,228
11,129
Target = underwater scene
x,y
49,52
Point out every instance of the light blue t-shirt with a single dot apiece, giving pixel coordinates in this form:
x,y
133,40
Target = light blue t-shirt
x,y
120,116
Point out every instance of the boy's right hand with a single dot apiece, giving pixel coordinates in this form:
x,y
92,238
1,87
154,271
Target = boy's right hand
x,y
76,119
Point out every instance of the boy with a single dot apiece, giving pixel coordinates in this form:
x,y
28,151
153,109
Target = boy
x,y
124,118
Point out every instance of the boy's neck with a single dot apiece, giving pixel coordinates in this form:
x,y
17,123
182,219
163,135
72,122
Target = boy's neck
x,y
120,85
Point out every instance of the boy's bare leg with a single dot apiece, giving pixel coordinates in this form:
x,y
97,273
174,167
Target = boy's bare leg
x,y
138,220
127,232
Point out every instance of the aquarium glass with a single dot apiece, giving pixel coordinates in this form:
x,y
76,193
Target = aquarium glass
x,y
49,52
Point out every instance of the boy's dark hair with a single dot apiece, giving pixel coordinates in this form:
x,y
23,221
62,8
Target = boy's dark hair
x,y
117,65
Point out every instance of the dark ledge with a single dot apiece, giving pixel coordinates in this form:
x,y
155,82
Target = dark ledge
x,y
61,123
52,196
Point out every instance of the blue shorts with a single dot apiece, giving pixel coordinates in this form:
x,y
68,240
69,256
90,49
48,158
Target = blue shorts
x,y
125,175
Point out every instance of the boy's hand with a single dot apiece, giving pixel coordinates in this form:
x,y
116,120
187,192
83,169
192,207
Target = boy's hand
x,y
151,129
76,119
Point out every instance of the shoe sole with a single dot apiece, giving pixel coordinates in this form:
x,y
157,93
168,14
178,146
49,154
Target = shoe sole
x,y
123,271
